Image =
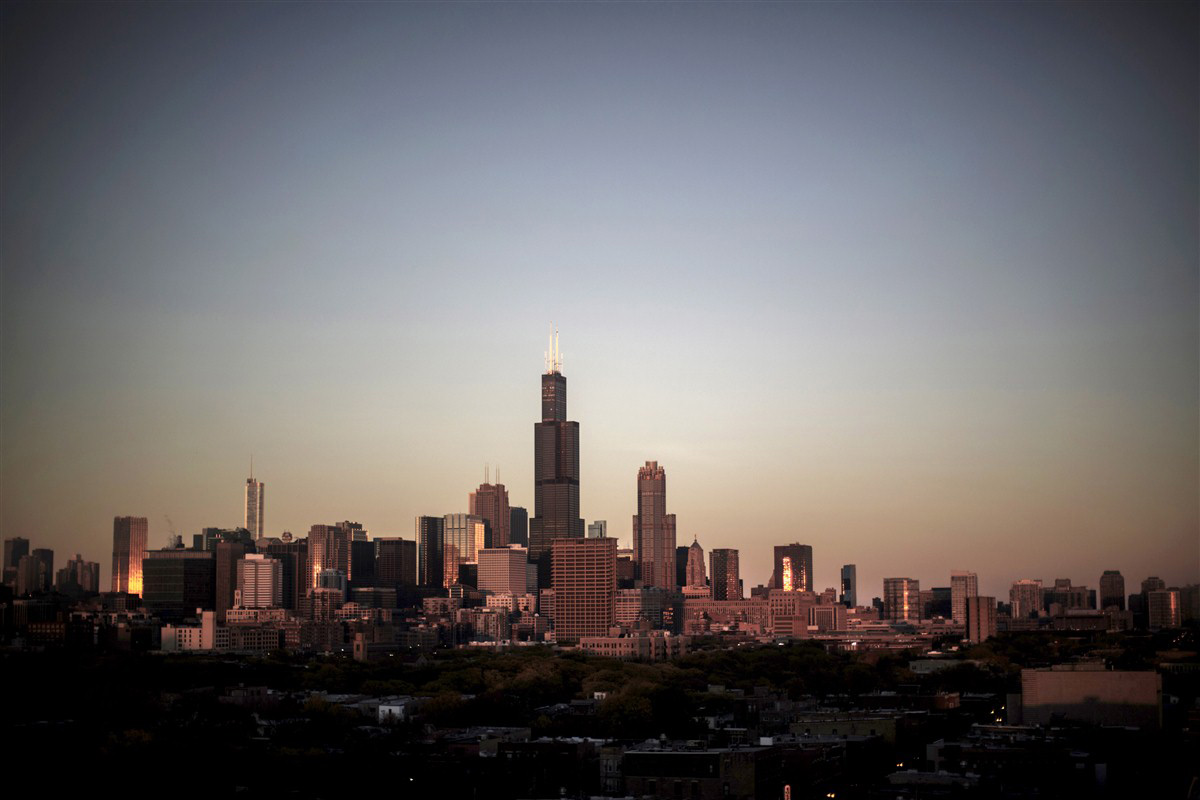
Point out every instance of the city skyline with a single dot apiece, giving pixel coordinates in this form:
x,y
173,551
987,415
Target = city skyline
x,y
914,286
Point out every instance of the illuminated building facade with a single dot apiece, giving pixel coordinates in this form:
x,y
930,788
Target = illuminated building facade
x,y
490,501
129,548
901,599
654,529
463,536
798,561
329,548
725,575
259,581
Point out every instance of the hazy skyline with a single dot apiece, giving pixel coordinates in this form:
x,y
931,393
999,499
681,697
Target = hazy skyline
x,y
915,284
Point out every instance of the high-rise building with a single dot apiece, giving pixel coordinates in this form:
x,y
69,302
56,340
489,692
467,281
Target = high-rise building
x,y
502,570
430,532
723,570
980,618
518,526
793,568
654,529
395,562
78,576
293,555
695,565
14,549
598,529
850,586
463,536
901,599
1112,590
31,575
129,547
255,495
555,469
962,586
177,582
1025,596
584,576
260,581
490,501
46,556
1164,608
329,548
229,553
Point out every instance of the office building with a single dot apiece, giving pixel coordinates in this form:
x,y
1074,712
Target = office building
x,y
723,570
518,526
901,599
293,556
255,497
598,529
227,556
490,502
177,582
850,586
654,529
555,469
129,547
395,562
429,533
980,618
503,570
1025,597
14,549
31,575
1164,609
584,575
78,576
1112,590
46,556
962,586
695,565
259,581
362,556
463,536
793,568
329,549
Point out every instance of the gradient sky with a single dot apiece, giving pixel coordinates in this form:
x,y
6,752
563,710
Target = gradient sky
x,y
916,284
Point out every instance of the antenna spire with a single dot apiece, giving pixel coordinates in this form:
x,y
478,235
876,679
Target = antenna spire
x,y
251,466
486,478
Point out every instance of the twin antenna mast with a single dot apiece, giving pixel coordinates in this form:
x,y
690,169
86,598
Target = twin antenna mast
x,y
553,354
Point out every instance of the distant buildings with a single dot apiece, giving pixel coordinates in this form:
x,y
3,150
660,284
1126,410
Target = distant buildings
x,y
430,533
598,529
259,581
395,562
329,548
695,566
129,547
963,585
518,526
502,570
1164,609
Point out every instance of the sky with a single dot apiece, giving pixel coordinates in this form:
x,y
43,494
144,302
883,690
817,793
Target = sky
x,y
915,284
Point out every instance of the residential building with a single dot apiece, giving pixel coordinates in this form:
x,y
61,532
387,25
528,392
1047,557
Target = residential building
x,y
962,586
980,618
1025,596
259,581
584,574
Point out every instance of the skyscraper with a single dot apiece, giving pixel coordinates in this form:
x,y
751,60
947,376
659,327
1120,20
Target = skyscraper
x,y
793,568
962,586
723,570
555,469
901,599
490,501
654,529
695,565
1025,596
259,581
598,529
129,547
329,549
980,617
585,587
518,526
502,570
429,532
1112,590
462,539
255,492
850,585
395,562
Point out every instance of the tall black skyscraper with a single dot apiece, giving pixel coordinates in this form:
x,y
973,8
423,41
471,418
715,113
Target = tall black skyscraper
x,y
555,469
